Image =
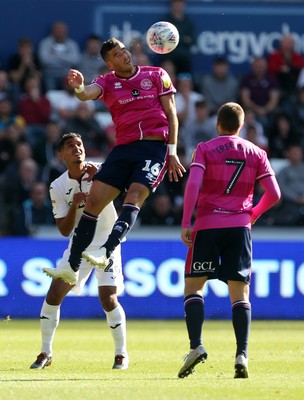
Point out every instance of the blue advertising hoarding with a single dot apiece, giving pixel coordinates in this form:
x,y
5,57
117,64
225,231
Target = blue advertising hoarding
x,y
154,282
240,30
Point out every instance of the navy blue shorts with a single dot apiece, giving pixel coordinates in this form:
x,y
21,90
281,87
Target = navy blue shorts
x,y
222,253
143,162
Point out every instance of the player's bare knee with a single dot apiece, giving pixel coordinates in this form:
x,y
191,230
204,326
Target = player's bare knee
x,y
93,205
137,197
108,301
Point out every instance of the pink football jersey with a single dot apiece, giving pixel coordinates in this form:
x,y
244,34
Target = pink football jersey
x,y
134,103
232,166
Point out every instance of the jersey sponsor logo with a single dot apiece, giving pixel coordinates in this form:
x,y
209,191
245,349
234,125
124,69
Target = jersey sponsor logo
x,y
146,84
138,97
203,266
135,92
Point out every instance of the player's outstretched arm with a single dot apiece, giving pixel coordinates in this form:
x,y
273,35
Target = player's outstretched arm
x,y
82,91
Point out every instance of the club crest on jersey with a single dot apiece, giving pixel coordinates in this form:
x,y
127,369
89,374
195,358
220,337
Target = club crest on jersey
x,y
146,84
135,92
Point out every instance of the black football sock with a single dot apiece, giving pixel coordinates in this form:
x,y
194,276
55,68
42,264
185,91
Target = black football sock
x,y
122,226
241,319
82,238
194,316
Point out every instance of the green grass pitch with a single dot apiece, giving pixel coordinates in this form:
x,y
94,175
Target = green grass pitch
x,y
83,357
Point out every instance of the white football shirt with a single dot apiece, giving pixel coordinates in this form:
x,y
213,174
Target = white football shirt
x,y
62,191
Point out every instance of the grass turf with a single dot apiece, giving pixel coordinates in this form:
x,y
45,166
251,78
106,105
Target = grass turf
x,y
83,357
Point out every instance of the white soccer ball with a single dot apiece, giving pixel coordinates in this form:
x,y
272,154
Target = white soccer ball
x,y
162,37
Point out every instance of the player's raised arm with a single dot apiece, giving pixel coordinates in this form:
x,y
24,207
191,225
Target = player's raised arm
x,y
83,92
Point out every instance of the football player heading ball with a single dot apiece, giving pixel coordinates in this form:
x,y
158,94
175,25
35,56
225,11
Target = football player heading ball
x,y
141,102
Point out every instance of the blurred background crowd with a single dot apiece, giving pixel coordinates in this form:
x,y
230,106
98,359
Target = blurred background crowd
x,y
37,106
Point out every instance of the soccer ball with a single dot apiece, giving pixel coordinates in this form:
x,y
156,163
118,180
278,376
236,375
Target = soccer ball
x,y
162,37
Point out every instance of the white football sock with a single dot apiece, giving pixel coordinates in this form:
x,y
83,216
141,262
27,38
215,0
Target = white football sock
x,y
49,320
116,320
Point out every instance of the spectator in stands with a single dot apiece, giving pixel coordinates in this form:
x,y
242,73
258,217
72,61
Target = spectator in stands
x,y
297,114
253,130
291,181
201,129
170,68
10,138
159,211
300,81
57,54
23,64
93,136
220,86
6,89
185,98
18,190
28,173
10,145
281,134
90,61
22,151
33,212
7,147
175,190
139,52
53,169
181,56
259,91
8,116
285,64
253,137
64,103
45,149
35,108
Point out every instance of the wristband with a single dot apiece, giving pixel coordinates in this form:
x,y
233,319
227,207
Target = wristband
x,y
172,149
80,89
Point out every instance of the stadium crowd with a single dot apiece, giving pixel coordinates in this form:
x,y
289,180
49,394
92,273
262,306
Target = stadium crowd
x,y
37,106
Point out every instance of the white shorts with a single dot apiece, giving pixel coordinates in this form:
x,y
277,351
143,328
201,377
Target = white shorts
x,y
110,276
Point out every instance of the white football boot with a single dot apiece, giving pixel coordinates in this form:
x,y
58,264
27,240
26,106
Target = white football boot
x,y
65,273
194,357
98,258
241,367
